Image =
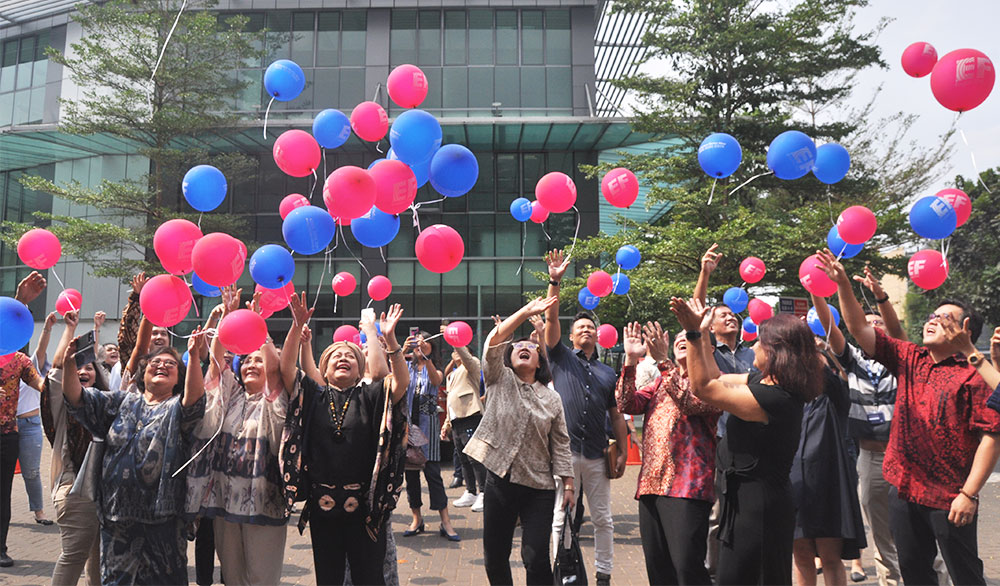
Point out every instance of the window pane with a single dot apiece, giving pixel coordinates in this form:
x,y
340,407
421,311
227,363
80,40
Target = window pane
x,y
455,293
429,37
481,37
481,196
559,87
38,75
402,37
327,89
352,87
37,104
557,38
7,78
534,168
22,104
455,90
509,292
507,174
433,99
454,37
507,37
279,23
480,87
328,39
6,109
533,87
303,38
531,37
24,75
27,54
355,25
481,236
41,45
508,86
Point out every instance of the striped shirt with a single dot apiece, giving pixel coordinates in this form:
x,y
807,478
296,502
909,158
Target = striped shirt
x,y
873,395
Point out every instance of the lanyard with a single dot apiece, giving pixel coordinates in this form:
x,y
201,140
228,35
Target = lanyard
x,y
874,382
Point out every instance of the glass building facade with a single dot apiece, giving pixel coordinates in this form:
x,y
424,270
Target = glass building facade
x,y
513,83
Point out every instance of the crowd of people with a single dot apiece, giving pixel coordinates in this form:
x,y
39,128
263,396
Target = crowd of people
x,y
760,461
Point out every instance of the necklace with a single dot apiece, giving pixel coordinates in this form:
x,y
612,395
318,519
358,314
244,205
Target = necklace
x,y
338,416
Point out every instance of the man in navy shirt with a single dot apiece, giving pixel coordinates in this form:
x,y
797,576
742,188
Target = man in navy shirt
x,y
587,388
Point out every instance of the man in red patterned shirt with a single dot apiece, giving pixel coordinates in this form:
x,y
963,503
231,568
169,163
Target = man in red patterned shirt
x,y
944,441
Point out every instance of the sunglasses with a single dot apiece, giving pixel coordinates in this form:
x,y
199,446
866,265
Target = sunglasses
x,y
525,345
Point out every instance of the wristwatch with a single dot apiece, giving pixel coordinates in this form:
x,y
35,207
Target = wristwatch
x,y
976,359
553,283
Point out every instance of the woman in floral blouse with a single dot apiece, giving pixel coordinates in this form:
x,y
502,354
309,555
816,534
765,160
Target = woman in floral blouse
x,y
676,483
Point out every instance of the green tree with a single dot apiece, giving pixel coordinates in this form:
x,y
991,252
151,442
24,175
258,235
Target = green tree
x,y
754,69
187,102
973,254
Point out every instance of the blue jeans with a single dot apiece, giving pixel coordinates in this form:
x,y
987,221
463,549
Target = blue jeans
x,y
31,436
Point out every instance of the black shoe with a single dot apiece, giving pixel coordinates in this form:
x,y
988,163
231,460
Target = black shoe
x,y
5,561
858,576
449,536
456,482
603,579
45,522
412,532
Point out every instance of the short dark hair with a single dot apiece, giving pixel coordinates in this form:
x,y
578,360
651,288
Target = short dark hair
x,y
870,311
975,320
140,372
584,315
542,373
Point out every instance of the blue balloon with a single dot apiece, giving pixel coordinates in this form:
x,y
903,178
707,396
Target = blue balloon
x,y
376,228
185,356
791,155
818,327
308,229
749,326
736,299
16,325
414,136
204,187
204,288
933,217
421,170
520,208
587,299
272,266
236,363
840,248
375,162
331,128
454,170
284,80
832,163
628,257
621,283
720,155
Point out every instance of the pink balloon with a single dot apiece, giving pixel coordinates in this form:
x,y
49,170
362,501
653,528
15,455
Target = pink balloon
x,y
458,334
349,192
342,221
39,249
760,311
928,269
173,242
607,335
856,225
379,287
538,213
620,187
297,153
242,331
218,259
369,121
962,79
556,191
395,186
749,336
752,269
958,200
439,248
344,284
165,300
69,300
347,333
814,279
407,86
919,59
600,283
290,202
272,300
266,313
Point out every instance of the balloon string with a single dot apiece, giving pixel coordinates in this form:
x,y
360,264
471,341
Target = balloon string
x,y
312,188
266,114
378,147
340,231
199,220
163,52
547,237
975,167
747,182
222,421
829,206
432,337
68,300
524,240
335,299
319,287
629,297
381,250
197,313
712,194
575,232
323,150
370,301
416,215
210,331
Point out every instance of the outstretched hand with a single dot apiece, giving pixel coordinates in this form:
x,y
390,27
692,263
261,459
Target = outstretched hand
x,y
72,318
959,336
710,260
632,341
301,313
685,312
657,341
539,305
138,282
30,287
197,343
390,319
558,263
832,267
231,299
99,318
871,282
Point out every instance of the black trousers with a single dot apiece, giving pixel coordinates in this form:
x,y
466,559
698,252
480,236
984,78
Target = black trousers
x,y
435,486
503,504
919,531
674,534
473,471
204,552
9,448
334,540
761,517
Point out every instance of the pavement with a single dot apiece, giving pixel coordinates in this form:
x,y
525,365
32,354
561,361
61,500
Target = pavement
x,y
429,558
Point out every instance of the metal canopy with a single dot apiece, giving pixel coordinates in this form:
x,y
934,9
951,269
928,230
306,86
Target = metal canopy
x,y
13,12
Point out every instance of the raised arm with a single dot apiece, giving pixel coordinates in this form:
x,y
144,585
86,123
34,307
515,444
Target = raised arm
x,y
30,287
962,338
210,324
99,318
307,361
194,384
374,354
557,270
885,307
709,261
290,351
141,344
854,314
472,366
837,341
400,377
72,318
41,348
128,327
71,383
507,327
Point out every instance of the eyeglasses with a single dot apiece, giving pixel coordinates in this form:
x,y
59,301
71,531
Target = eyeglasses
x,y
525,345
878,322
942,317
156,363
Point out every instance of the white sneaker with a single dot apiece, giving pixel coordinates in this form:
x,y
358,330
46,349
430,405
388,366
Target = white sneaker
x,y
477,507
465,500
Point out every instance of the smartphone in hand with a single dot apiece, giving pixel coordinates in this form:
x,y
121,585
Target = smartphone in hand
x,y
85,349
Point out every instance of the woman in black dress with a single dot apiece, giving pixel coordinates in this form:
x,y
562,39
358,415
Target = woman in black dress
x,y
757,522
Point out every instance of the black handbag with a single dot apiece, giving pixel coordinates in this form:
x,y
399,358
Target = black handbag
x,y
569,567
